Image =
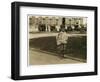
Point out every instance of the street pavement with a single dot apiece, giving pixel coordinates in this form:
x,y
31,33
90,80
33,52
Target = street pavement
x,y
40,58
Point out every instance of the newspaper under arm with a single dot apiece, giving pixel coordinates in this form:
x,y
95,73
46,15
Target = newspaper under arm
x,y
61,38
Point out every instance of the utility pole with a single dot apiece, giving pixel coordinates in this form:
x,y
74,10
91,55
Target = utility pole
x,y
63,24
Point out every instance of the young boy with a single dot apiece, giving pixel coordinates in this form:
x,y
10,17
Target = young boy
x,y
61,40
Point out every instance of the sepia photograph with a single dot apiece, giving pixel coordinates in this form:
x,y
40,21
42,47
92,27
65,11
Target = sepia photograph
x,y
57,39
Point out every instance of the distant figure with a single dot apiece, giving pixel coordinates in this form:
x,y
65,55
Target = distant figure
x,y
49,28
57,28
61,39
69,28
66,28
76,27
73,27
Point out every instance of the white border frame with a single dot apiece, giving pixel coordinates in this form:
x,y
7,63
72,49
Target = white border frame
x,y
63,68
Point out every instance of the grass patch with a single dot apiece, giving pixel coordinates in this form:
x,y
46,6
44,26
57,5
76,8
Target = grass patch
x,y
76,46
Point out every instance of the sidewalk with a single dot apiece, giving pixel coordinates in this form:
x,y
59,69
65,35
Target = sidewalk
x,y
40,58
37,35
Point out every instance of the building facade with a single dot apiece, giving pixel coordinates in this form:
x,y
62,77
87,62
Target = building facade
x,y
53,23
